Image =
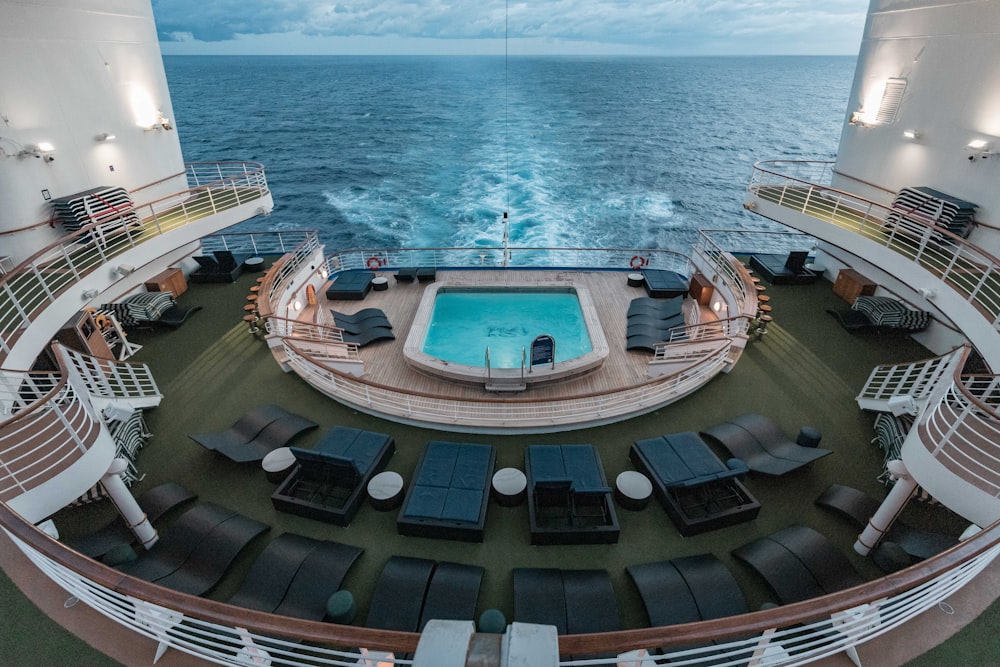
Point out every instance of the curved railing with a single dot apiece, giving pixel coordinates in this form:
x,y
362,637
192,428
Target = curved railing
x,y
801,633
40,279
970,271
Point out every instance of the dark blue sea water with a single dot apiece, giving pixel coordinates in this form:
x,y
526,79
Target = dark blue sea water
x,y
429,151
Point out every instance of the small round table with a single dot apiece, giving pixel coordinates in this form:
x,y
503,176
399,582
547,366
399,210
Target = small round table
x,y
380,284
808,437
509,487
254,264
635,280
386,490
277,464
632,490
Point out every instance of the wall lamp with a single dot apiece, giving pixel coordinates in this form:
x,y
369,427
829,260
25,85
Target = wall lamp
x,y
105,136
912,135
89,294
125,269
980,150
42,149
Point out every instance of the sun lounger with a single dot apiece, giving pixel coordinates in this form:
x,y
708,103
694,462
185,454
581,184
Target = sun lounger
x,y
761,444
350,286
398,597
452,594
662,284
329,482
687,589
426,274
368,318
194,553
660,308
698,491
569,501
369,336
449,495
573,601
222,266
798,563
407,274
643,343
154,502
858,506
245,429
652,328
256,433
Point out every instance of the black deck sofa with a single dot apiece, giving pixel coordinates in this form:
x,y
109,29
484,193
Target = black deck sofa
x,y
222,266
350,286
449,495
698,491
784,269
329,482
569,500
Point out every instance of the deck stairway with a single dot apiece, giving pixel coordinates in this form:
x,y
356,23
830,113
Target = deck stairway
x,y
905,387
113,382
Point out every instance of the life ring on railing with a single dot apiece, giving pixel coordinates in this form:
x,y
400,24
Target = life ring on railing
x,y
374,263
311,295
638,261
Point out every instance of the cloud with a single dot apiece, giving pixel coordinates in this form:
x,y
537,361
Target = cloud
x,y
665,25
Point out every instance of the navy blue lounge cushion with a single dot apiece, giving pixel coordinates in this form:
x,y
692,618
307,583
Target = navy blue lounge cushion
x,y
664,284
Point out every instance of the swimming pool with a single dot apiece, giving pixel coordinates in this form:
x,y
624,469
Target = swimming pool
x,y
455,324
467,322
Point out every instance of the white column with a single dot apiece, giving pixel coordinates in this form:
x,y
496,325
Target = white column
x,y
127,506
890,508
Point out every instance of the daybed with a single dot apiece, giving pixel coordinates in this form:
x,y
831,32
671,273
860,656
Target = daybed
x,y
295,576
193,554
760,443
573,601
698,491
221,266
256,433
328,483
350,286
449,494
662,284
798,563
784,270
412,591
569,500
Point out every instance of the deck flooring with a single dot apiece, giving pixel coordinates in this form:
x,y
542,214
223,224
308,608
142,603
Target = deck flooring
x,y
385,363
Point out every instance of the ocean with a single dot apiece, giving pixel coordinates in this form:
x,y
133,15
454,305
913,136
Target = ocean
x,y
581,151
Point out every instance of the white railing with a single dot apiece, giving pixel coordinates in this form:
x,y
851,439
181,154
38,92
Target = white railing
x,y
970,271
917,379
513,413
518,258
36,282
109,379
849,619
46,433
962,431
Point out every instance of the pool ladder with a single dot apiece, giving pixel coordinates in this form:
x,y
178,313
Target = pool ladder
x,y
504,381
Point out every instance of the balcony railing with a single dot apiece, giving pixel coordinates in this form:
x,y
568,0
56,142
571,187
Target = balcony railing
x,y
39,280
972,272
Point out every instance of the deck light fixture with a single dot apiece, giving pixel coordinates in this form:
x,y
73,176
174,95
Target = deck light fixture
x,y
105,136
980,150
912,135
125,269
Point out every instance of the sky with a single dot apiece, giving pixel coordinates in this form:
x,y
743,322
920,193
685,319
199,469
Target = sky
x,y
639,27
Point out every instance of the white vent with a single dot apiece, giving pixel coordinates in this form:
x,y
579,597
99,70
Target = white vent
x,y
892,97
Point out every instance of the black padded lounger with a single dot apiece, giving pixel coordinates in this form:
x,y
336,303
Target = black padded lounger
x,y
426,274
398,597
687,589
539,597
154,502
367,318
660,308
761,445
452,594
591,605
642,323
858,506
244,430
448,497
176,315
277,434
662,284
369,336
406,274
784,269
350,286
798,563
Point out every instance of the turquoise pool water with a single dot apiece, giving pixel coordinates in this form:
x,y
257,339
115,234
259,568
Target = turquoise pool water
x,y
467,321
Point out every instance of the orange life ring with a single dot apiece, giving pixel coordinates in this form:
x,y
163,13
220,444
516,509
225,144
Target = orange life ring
x,y
637,261
374,263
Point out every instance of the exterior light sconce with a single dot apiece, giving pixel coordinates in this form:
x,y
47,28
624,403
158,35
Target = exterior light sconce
x,y
858,118
89,294
104,136
160,123
42,149
912,135
125,269
980,150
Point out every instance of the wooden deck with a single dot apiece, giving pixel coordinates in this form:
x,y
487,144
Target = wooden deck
x,y
385,363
